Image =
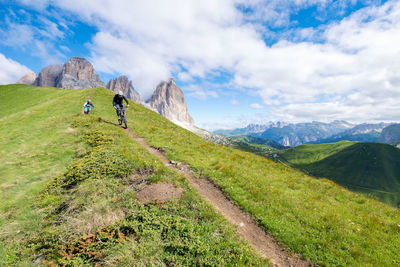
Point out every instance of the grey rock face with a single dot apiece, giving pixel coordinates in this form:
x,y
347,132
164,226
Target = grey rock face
x,y
169,101
123,84
27,79
49,76
78,73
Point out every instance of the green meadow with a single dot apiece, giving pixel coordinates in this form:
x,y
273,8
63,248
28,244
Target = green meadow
x,y
50,194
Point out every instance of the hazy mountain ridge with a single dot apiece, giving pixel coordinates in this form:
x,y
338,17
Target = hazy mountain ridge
x,y
293,134
390,134
251,129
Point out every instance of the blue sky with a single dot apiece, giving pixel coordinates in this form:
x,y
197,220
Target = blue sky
x,y
237,61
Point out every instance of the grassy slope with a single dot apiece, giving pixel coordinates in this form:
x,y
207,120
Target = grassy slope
x,y
259,146
317,218
35,144
38,141
369,168
306,154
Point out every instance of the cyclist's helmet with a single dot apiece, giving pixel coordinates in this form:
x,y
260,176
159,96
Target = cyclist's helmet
x,y
120,93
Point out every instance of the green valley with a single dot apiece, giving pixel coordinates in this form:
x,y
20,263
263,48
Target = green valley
x,y
369,168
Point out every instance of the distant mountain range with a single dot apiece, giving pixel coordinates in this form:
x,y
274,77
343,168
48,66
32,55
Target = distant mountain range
x,y
294,134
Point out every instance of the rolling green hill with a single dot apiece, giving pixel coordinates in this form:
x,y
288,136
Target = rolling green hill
x,y
369,168
65,201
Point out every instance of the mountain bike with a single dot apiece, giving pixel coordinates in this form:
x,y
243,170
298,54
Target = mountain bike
x,y
87,109
122,117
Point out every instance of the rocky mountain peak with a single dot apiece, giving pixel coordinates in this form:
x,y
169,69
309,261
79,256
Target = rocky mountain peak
x,y
78,73
27,79
122,83
48,76
169,101
171,81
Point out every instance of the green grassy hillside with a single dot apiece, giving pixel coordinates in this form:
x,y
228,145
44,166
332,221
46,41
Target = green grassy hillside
x,y
260,146
306,154
315,217
68,185
369,168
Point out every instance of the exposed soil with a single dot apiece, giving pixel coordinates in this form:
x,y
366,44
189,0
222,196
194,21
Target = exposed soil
x,y
160,192
262,242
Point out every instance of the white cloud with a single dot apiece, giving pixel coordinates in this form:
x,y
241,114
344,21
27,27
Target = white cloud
x,y
36,4
149,41
200,93
351,72
50,30
10,70
235,102
360,54
256,106
36,35
16,35
277,13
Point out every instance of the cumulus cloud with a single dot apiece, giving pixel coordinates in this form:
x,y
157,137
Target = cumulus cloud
x,y
150,41
10,70
359,64
346,69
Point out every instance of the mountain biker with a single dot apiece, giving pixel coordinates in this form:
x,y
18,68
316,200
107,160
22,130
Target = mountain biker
x,y
118,104
87,106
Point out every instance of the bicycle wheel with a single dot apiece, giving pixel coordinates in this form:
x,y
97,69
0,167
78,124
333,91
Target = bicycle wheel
x,y
125,122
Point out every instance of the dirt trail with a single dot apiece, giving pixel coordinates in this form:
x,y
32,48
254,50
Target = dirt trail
x,y
263,243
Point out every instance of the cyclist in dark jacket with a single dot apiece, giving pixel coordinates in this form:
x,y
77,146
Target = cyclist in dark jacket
x,y
117,102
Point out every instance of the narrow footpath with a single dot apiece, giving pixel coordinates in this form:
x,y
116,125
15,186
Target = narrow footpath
x,y
263,243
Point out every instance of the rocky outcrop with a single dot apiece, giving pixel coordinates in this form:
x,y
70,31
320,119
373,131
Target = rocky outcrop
x,y
27,79
169,101
123,84
78,73
49,76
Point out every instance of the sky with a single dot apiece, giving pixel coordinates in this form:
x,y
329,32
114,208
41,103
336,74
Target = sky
x,y
237,61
